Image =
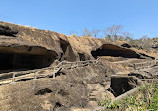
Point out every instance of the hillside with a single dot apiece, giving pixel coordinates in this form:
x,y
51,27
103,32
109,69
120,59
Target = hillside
x,y
42,70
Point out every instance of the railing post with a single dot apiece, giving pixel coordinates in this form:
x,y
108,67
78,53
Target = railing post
x,y
77,64
54,73
97,62
13,78
35,76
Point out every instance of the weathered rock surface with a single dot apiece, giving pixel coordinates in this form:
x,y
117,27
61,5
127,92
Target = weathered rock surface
x,y
49,94
25,48
5,30
68,47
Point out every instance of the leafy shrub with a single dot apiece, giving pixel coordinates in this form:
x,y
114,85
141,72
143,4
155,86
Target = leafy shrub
x,y
146,99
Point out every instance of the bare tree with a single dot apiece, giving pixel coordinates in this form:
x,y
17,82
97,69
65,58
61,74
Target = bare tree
x,y
144,42
95,32
86,33
144,38
74,33
127,36
113,31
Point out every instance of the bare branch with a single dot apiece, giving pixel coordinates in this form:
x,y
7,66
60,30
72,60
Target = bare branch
x,y
113,31
95,32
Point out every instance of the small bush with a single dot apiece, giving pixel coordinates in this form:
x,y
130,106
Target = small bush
x,y
154,102
146,99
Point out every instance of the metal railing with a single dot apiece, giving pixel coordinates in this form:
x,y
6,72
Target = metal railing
x,y
53,70
146,64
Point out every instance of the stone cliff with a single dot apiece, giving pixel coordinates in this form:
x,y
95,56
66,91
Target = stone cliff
x,y
31,81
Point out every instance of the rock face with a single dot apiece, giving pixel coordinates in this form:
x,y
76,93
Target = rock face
x,y
51,94
42,95
115,51
16,54
32,41
123,84
5,30
27,50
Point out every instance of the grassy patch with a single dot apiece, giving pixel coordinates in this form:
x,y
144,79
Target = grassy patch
x,y
146,99
154,102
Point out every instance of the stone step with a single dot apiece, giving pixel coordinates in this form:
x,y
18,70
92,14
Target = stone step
x,y
93,90
93,99
92,94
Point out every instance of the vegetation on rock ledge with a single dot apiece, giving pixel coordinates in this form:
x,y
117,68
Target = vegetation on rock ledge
x,y
145,100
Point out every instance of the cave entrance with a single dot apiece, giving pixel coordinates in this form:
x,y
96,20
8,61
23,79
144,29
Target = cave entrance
x,y
82,57
68,53
122,84
64,45
114,51
16,61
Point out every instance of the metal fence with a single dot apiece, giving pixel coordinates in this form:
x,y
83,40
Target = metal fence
x,y
52,71
146,64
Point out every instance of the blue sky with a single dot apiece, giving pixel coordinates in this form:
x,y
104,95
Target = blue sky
x,y
139,17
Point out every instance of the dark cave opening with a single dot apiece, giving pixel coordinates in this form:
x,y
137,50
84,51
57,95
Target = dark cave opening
x,y
5,30
44,91
68,53
18,61
126,45
125,84
64,46
114,51
82,57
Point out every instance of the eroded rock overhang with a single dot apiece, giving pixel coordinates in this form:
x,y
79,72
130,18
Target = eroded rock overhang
x,y
108,49
70,48
16,54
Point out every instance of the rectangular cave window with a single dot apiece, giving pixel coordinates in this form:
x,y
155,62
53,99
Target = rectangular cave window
x,y
6,61
16,61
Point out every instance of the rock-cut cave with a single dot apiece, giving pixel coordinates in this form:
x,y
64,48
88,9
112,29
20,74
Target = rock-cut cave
x,y
13,61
